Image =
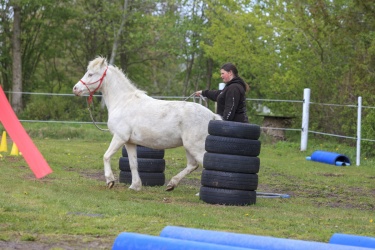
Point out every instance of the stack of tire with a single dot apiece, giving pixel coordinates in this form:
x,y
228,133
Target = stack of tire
x,y
230,163
151,166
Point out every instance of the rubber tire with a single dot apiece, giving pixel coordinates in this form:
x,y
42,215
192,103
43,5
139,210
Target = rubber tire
x,y
227,196
148,179
232,146
144,165
231,163
234,129
145,152
229,180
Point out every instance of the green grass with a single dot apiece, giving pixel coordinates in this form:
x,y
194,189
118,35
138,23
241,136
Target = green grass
x,y
73,200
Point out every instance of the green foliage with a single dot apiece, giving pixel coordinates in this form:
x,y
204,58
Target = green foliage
x,y
368,132
60,108
66,131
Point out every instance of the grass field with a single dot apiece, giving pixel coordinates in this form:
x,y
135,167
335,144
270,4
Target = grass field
x,y
72,207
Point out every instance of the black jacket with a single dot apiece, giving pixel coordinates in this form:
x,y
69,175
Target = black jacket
x,y
231,101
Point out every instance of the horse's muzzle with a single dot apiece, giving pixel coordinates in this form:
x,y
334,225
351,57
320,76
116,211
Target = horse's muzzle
x,y
77,91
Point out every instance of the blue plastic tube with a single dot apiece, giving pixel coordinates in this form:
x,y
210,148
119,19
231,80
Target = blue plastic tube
x,y
247,241
134,241
329,157
352,240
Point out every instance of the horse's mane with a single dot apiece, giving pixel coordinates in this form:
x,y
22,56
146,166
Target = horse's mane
x,y
99,62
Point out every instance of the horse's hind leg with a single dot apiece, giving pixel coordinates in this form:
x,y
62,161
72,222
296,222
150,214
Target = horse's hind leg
x,y
192,165
114,146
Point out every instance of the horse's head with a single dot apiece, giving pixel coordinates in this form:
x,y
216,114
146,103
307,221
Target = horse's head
x,y
93,79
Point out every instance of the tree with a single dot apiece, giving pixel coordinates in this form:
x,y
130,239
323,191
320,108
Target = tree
x,y
118,34
17,63
5,48
240,38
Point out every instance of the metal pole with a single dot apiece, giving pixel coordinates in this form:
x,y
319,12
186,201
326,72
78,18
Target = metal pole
x,y
305,119
359,118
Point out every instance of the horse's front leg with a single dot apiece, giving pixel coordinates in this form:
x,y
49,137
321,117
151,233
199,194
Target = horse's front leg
x,y
133,163
114,146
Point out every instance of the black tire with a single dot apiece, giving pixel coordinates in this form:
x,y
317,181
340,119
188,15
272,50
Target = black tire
x,y
231,163
234,129
148,179
227,196
232,146
144,165
145,152
229,180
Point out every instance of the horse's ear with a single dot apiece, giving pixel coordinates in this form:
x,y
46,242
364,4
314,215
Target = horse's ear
x,y
104,63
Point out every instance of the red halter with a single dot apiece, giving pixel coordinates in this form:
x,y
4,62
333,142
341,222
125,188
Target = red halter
x,y
100,83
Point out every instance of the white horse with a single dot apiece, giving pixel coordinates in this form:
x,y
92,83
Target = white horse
x,y
135,118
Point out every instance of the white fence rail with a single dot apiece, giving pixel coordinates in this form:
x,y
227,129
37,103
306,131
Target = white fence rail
x,y
305,117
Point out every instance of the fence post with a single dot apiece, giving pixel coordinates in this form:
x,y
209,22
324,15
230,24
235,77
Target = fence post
x,y
359,121
305,119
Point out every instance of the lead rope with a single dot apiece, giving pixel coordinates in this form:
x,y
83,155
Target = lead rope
x,y
92,118
200,99
189,97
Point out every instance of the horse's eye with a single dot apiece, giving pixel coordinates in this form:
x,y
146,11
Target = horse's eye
x,y
90,75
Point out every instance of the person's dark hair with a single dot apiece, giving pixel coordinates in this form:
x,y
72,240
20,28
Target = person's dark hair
x,y
230,67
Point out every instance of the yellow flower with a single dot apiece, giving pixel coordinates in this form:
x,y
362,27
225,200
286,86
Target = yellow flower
x,y
371,220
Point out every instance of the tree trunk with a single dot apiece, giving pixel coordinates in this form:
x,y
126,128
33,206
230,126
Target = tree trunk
x,y
209,73
5,50
116,41
117,37
189,68
17,61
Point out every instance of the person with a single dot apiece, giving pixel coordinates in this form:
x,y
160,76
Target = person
x,y
231,101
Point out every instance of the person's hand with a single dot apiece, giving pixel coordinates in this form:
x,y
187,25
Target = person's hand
x,y
198,93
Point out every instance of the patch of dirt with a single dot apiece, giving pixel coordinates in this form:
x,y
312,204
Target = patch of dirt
x,y
334,198
14,158
267,189
190,182
66,242
332,175
99,176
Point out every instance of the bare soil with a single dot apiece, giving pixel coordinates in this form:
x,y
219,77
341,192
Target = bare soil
x,y
66,242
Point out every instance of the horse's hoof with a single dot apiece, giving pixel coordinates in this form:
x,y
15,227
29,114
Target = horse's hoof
x,y
169,188
110,184
135,187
